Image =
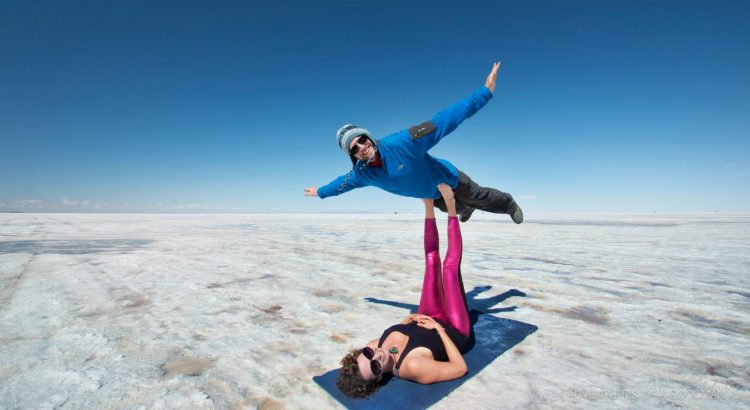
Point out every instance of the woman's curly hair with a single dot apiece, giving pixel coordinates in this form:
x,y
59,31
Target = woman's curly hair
x,y
350,380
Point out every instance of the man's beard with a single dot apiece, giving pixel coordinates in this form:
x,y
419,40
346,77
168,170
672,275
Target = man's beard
x,y
374,152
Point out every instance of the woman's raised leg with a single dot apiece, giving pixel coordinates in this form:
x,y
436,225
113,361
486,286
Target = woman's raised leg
x,y
431,302
454,298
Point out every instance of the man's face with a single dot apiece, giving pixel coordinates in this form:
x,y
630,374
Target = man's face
x,y
361,147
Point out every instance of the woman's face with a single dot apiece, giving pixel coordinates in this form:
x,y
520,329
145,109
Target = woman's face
x,y
379,360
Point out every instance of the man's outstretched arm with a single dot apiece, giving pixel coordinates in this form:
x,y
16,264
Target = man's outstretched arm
x,y
338,186
444,122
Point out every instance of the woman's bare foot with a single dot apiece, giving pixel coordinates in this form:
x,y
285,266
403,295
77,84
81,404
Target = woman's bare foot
x,y
429,208
450,202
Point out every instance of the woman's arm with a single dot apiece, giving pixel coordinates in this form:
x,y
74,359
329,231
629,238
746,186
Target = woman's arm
x,y
424,370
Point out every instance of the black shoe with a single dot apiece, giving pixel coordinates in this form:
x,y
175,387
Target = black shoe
x,y
516,214
465,214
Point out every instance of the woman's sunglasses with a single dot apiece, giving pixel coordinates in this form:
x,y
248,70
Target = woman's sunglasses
x,y
360,140
374,366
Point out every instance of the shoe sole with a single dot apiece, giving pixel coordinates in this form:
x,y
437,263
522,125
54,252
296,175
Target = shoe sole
x,y
517,215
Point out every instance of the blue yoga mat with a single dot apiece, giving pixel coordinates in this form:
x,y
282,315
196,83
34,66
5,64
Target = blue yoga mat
x,y
493,335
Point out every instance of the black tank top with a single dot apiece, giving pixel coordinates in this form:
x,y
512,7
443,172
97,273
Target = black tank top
x,y
418,337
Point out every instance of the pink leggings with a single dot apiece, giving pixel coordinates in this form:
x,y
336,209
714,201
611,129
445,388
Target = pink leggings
x,y
443,293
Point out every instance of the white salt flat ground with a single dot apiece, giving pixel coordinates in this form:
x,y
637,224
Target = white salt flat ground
x,y
240,311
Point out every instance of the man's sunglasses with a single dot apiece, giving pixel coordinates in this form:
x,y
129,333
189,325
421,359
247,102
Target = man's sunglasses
x,y
360,140
374,366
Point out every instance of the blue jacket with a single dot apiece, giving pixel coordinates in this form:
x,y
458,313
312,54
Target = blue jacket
x,y
408,170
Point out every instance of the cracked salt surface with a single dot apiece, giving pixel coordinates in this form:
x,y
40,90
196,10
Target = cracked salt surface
x,y
237,311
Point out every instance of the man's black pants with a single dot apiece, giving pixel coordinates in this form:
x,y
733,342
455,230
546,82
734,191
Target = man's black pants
x,y
469,194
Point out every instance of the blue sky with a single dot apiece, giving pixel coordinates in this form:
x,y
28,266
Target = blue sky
x,y
211,106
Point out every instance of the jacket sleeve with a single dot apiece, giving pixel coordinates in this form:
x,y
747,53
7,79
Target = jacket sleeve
x,y
443,123
344,183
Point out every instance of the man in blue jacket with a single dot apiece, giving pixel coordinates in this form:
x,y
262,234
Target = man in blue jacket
x,y
400,164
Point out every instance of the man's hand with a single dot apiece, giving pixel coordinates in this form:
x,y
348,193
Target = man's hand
x,y
312,191
490,83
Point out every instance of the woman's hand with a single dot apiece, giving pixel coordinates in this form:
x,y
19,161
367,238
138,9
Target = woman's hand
x,y
312,191
408,319
428,323
413,317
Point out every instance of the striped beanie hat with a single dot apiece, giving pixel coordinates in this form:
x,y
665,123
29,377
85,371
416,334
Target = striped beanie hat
x,y
347,133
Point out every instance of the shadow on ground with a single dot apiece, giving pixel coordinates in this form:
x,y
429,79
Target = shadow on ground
x,y
478,306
